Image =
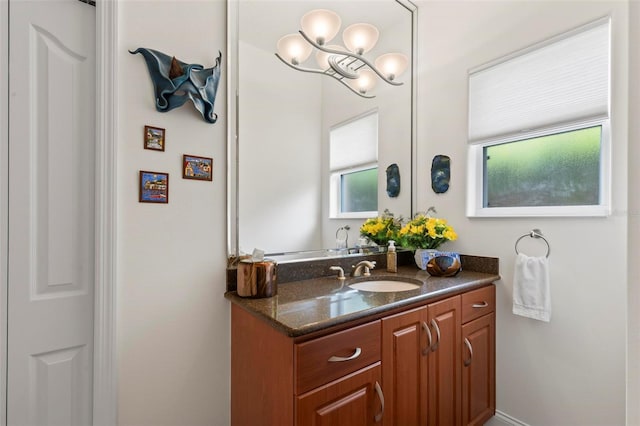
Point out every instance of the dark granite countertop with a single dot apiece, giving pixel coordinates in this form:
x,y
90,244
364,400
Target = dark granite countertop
x,y
303,307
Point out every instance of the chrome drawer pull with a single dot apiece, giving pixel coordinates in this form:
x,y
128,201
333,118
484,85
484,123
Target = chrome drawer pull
x,y
378,416
467,362
355,355
425,327
480,305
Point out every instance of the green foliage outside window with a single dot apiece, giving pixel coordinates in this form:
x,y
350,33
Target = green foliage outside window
x,y
360,191
556,170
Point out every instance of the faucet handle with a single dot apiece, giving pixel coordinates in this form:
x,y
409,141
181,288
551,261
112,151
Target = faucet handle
x,y
339,270
368,266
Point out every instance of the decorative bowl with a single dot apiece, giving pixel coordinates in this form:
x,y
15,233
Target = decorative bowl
x,y
443,266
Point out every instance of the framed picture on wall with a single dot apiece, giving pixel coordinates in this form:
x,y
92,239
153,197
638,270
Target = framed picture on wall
x,y
198,168
154,187
154,138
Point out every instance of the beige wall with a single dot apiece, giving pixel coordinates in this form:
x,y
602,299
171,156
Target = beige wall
x,y
173,321
572,370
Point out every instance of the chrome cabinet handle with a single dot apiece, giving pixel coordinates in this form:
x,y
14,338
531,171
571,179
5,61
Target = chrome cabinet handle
x,y
425,327
480,305
355,355
434,347
378,416
467,362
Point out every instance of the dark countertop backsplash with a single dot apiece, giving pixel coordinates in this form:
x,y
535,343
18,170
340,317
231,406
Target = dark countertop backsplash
x,y
304,270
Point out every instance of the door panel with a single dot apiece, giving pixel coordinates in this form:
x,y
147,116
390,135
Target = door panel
x,y
51,211
57,384
348,401
445,393
404,374
478,372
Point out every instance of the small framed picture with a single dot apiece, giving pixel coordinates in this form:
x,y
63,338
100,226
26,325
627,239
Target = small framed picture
x,y
199,168
154,187
154,138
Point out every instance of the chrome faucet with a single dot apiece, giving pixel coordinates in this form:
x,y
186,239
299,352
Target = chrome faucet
x,y
362,268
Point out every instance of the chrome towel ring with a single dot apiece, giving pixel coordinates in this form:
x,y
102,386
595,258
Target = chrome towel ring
x,y
535,233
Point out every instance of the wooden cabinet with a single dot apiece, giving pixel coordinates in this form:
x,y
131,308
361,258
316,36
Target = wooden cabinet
x,y
478,372
421,365
405,348
431,365
354,400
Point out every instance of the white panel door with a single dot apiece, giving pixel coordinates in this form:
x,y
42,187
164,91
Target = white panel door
x,y
51,212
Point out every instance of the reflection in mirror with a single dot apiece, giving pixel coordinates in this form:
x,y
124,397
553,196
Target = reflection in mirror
x,y
285,195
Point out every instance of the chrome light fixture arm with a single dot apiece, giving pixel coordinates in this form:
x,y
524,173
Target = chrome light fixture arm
x,y
350,55
317,71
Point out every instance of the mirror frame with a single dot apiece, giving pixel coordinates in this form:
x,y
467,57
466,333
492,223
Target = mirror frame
x,y
233,137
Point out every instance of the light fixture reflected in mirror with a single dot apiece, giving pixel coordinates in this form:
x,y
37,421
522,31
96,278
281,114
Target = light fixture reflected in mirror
x,y
322,58
347,65
360,38
392,64
294,48
321,25
366,81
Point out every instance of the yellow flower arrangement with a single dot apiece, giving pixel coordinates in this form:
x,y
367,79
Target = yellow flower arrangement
x,y
425,232
381,229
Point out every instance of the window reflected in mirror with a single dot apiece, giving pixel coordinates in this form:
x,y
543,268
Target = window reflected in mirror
x,y
353,166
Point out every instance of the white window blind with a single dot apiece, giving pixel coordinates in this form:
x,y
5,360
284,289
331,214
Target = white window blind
x,y
565,79
354,143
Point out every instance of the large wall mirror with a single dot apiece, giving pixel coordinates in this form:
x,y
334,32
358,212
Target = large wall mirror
x,y
283,122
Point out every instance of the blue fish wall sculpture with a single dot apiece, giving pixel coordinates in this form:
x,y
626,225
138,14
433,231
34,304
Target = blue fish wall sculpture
x,y
175,82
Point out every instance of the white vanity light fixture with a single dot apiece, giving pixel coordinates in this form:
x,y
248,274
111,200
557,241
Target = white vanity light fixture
x,y
347,64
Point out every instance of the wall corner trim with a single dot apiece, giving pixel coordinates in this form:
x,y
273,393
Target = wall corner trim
x,y
105,411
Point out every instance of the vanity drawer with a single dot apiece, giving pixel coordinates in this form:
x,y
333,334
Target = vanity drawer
x,y
327,358
477,303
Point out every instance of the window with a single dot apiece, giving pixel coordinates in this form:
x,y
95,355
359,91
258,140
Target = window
x,y
353,164
539,129
562,169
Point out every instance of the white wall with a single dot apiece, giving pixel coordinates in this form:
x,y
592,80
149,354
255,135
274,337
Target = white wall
x,y
173,321
633,293
280,110
570,371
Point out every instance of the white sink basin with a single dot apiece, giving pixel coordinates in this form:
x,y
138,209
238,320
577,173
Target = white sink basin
x,y
384,286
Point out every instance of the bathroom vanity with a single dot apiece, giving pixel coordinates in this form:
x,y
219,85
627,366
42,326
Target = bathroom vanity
x,y
322,353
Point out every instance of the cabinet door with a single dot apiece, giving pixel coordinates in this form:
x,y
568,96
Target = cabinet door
x,y
445,392
354,400
405,350
478,372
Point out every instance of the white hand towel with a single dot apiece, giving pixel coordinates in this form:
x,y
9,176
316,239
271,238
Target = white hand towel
x,y
531,288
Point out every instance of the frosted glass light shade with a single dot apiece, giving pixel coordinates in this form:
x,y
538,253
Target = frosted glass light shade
x,y
391,65
294,49
321,25
360,38
322,58
366,81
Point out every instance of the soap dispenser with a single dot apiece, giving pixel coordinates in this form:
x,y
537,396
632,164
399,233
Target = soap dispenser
x,y
392,257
